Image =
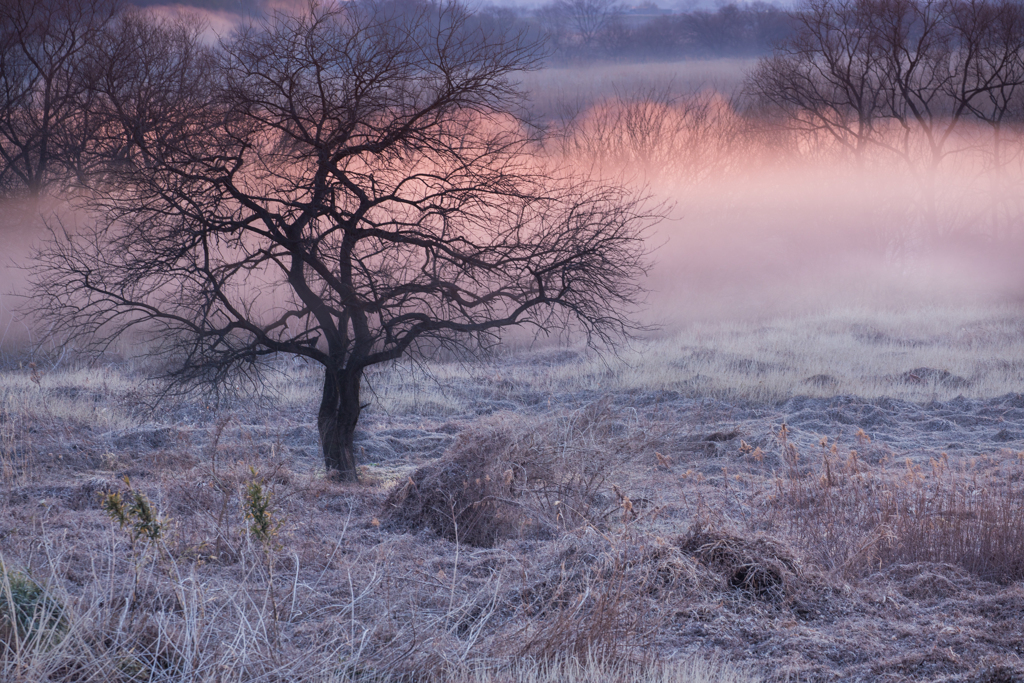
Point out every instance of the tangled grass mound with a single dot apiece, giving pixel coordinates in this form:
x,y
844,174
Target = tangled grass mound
x,y
463,497
759,567
603,594
512,477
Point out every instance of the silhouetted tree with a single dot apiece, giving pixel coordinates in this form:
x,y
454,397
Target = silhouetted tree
x,y
897,75
589,18
347,184
45,126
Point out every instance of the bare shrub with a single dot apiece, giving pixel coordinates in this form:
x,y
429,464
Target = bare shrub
x,y
511,476
656,129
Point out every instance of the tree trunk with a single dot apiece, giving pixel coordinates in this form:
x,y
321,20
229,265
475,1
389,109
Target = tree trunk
x,y
339,412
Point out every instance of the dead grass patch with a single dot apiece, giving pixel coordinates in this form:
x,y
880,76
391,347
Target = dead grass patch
x,y
591,669
556,543
510,477
856,520
607,595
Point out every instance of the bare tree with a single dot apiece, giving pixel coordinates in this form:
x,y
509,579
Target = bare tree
x,y
45,127
587,20
825,76
149,78
352,185
898,76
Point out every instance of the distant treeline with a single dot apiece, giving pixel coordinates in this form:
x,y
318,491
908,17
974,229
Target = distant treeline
x,y
605,29
602,29
63,64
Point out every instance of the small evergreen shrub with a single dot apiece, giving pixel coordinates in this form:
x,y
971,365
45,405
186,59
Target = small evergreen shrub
x,y
28,612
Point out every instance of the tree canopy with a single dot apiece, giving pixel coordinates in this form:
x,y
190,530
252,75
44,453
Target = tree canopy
x,y
348,183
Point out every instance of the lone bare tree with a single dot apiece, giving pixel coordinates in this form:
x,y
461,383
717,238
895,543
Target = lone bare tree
x,y
585,20
347,184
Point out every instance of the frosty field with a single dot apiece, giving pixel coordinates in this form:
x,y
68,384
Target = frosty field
x,y
832,496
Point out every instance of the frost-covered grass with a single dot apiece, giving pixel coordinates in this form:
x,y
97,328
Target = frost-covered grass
x,y
921,355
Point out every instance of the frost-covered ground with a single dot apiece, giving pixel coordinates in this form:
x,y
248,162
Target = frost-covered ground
x,y
832,497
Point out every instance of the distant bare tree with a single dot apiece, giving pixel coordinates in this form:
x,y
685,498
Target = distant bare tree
x,y
45,127
149,77
826,76
585,19
346,184
898,76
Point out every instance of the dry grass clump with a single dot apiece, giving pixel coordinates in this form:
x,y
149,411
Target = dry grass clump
x,y
605,595
463,497
590,669
511,476
856,520
759,567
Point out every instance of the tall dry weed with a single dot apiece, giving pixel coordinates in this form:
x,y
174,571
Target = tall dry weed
x,y
855,520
